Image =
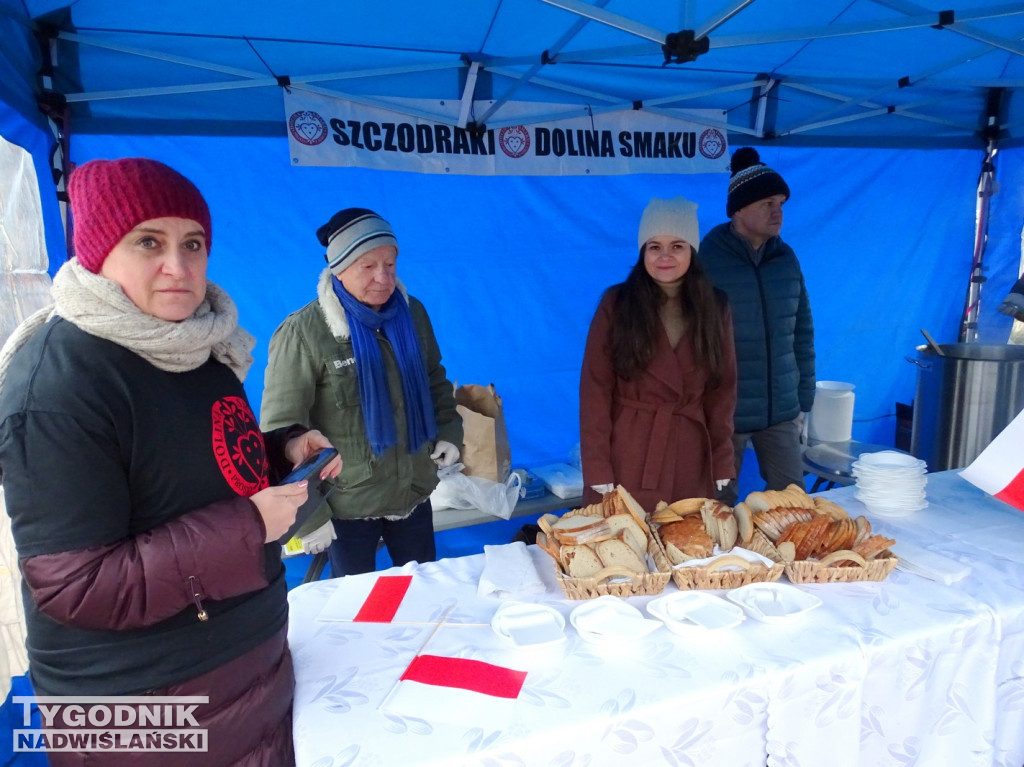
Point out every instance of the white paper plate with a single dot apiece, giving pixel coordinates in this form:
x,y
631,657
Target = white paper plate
x,y
608,619
895,499
773,602
890,459
893,512
687,611
528,625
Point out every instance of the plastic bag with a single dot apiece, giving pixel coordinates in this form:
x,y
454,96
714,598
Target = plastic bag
x,y
455,490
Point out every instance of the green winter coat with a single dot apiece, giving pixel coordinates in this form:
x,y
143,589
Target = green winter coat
x,y
311,379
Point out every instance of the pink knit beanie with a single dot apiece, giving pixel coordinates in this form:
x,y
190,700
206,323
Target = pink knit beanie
x,y
109,198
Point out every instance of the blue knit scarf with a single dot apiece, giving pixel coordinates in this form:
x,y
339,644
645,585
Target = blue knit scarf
x,y
374,396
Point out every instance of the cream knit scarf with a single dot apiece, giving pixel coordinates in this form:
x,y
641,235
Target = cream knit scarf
x,y
100,308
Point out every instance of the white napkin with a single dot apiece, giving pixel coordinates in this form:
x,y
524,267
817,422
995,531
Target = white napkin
x,y
508,572
751,556
928,564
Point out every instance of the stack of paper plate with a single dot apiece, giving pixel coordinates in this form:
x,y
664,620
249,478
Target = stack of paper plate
x,y
891,483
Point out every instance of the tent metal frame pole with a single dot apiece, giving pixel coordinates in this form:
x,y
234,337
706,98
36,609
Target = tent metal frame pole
x,y
401,109
467,94
250,79
81,39
904,110
762,106
550,53
560,87
719,19
619,105
792,35
58,119
986,188
888,88
601,16
972,304
922,19
961,26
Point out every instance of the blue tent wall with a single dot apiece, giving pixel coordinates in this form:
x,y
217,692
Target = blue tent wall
x,y
511,268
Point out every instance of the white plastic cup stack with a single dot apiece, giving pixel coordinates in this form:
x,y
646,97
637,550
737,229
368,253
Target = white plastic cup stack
x,y
891,483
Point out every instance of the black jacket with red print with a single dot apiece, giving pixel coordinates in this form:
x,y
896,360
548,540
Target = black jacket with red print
x,y
128,489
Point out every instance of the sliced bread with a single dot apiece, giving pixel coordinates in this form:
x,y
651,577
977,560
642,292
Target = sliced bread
x,y
580,561
615,552
744,522
633,508
633,535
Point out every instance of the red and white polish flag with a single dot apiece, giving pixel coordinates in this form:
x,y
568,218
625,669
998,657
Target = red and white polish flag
x,y
999,470
457,690
372,598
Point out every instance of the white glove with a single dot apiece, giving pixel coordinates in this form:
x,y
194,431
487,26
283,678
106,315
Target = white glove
x,y
445,454
602,489
319,540
721,484
804,423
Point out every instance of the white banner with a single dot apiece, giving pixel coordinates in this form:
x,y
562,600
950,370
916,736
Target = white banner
x,y
335,132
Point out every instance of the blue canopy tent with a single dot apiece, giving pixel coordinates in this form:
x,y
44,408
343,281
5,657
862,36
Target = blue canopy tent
x,y
879,114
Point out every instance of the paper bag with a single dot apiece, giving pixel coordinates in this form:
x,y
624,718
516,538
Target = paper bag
x,y
999,470
485,451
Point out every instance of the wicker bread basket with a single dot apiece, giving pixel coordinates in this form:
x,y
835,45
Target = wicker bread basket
x,y
828,569
617,581
712,576
838,567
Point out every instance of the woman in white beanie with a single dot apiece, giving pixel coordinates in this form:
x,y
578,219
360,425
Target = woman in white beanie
x,y
658,383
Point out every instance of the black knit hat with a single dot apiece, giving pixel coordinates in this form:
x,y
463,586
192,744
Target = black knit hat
x,y
751,180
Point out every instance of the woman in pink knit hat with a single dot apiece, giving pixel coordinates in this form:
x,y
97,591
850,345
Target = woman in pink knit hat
x,y
140,486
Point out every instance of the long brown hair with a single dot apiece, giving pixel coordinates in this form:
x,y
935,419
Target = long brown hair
x,y
636,327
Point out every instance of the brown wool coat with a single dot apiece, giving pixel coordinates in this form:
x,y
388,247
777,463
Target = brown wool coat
x,y
664,435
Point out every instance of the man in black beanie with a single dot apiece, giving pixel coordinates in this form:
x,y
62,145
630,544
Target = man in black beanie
x,y
773,330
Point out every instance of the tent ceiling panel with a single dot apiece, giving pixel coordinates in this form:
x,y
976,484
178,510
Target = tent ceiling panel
x,y
869,72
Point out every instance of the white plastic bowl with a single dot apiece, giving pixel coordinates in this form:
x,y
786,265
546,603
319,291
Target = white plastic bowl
x,y
686,612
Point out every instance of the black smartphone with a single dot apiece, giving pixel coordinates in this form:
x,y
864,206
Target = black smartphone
x,y
318,488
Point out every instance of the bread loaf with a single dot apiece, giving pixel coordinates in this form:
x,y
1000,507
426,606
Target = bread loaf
x,y
688,537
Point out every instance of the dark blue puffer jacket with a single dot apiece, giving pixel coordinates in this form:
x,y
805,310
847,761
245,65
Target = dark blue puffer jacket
x,y
772,325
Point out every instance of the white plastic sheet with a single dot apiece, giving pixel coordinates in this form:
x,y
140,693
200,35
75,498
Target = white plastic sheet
x,y
455,490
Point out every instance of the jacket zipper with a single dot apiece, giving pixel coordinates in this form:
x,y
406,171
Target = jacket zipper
x,y
202,614
768,345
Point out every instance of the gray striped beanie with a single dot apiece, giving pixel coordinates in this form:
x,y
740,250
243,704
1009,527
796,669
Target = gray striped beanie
x,y
351,233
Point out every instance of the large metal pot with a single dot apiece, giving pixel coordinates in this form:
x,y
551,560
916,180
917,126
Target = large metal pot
x,y
965,397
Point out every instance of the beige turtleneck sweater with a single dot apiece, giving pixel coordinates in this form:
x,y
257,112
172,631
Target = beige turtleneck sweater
x,y
671,312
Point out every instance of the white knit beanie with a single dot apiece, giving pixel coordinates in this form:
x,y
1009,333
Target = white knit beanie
x,y
676,217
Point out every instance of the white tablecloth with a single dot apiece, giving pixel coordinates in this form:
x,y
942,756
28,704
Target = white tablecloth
x,y
904,672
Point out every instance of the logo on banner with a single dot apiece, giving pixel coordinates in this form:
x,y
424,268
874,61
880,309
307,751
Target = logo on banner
x,y
711,143
514,140
307,127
